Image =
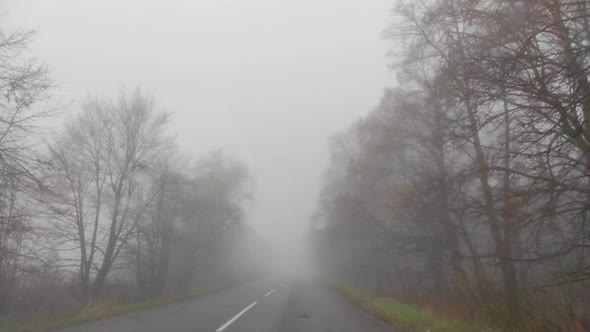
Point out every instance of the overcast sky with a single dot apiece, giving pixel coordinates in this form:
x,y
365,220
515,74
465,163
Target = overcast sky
x,y
268,81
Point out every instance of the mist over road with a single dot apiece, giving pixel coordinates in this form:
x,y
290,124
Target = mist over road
x,y
259,306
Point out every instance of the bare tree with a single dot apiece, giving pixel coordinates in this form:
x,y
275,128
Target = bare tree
x,y
24,83
99,162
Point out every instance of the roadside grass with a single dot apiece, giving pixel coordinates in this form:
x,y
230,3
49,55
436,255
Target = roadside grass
x,y
406,317
99,311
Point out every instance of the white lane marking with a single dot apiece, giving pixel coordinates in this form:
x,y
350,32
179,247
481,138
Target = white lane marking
x,y
224,326
267,294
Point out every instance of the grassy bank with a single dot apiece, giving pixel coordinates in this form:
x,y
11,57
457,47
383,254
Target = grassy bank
x,y
99,311
406,317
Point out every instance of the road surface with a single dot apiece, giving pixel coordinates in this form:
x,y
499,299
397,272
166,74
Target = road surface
x,y
259,306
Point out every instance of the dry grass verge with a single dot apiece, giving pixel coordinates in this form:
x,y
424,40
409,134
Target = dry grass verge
x,y
406,317
99,311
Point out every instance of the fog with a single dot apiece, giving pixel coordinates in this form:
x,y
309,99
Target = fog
x,y
267,81
428,161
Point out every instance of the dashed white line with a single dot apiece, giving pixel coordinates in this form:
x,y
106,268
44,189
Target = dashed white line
x,y
224,326
267,294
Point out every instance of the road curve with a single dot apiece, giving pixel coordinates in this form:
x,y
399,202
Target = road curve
x,y
259,306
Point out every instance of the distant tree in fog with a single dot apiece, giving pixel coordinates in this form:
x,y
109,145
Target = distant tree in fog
x,y
213,206
156,237
191,217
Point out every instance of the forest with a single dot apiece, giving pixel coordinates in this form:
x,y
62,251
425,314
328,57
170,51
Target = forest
x,y
467,188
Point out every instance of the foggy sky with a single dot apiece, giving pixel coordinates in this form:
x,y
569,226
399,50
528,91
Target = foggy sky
x,y
268,81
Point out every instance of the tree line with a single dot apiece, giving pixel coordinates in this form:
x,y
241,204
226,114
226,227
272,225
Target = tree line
x,y
468,183
106,208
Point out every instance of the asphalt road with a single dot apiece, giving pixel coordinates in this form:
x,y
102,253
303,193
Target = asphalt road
x,y
260,306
